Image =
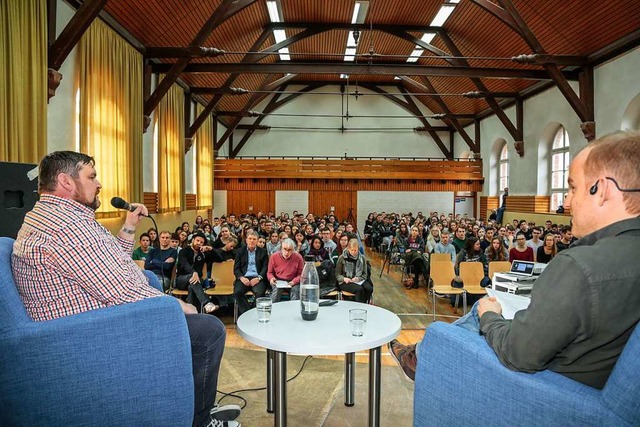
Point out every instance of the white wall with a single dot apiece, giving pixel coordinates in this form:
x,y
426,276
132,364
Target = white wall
x,y
333,143
219,202
289,201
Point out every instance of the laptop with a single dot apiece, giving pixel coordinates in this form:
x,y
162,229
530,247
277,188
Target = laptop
x,y
521,271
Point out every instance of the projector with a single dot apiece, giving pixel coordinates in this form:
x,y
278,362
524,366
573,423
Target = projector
x,y
538,268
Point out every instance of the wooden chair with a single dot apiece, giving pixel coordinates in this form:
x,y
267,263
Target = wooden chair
x,y
498,267
439,258
472,274
223,278
442,274
178,293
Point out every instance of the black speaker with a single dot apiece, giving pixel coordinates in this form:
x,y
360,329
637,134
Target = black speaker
x,y
18,195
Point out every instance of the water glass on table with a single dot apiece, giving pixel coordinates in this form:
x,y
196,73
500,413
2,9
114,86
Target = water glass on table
x,y
358,321
263,307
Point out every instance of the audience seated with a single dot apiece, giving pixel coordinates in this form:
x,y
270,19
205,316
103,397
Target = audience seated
x,y
142,251
161,260
250,270
352,272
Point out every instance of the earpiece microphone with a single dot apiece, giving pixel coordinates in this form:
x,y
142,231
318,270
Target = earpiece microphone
x,y
594,189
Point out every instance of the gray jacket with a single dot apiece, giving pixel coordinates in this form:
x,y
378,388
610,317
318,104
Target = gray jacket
x,y
583,309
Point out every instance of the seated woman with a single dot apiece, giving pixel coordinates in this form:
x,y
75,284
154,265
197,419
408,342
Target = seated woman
x,y
433,239
547,251
342,246
301,245
352,273
496,251
472,252
413,256
401,237
521,252
317,250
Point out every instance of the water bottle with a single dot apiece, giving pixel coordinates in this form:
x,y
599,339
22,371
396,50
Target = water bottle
x,y
309,290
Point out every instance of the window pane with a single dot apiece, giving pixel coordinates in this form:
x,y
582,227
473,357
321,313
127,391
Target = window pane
x,y
567,159
504,155
556,200
558,140
556,162
557,179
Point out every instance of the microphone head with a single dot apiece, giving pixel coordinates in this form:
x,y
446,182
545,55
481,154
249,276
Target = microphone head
x,y
119,203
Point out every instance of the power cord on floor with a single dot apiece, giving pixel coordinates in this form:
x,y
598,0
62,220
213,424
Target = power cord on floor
x,y
244,401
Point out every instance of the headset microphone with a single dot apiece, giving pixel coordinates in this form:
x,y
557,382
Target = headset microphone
x,y
594,189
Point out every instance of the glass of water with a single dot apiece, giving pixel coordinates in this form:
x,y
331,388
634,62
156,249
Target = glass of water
x,y
358,320
263,307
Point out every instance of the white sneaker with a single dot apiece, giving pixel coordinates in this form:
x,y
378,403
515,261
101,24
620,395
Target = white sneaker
x,y
210,308
225,412
213,422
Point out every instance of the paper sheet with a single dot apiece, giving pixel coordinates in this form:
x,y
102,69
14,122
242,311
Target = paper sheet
x,y
510,303
282,284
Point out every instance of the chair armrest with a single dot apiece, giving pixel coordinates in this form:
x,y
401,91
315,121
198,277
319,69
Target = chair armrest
x,y
122,365
457,369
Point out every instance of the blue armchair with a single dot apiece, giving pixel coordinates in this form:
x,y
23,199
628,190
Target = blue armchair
x,y
128,365
460,381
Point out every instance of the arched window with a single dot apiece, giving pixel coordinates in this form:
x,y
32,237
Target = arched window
x,y
504,168
559,167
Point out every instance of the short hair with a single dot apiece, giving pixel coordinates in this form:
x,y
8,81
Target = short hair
x,y
617,156
53,164
164,232
175,236
445,232
229,239
565,229
144,235
353,243
288,243
251,232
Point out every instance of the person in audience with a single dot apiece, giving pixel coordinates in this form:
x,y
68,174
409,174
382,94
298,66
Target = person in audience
x,y
262,243
301,245
317,250
342,245
198,223
547,225
352,272
227,251
189,272
368,225
584,306
186,227
535,242
521,252
153,237
485,242
250,270
273,245
402,234
174,242
414,257
141,252
207,231
225,233
496,251
327,241
287,229
309,233
161,260
459,240
433,239
57,274
566,238
285,266
548,250
184,239
445,247
472,252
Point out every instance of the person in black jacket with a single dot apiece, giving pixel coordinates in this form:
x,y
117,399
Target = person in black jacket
x,y
250,269
189,271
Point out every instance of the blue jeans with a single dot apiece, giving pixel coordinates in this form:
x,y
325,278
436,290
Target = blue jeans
x,y
207,335
470,321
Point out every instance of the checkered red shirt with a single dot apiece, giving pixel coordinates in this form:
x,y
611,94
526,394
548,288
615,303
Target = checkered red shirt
x,y
65,262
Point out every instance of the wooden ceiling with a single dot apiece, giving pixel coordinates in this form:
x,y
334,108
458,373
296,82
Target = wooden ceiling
x,y
589,31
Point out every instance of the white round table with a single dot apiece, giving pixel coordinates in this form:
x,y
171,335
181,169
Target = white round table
x,y
329,334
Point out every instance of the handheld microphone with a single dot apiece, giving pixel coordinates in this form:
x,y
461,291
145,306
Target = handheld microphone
x,y
120,203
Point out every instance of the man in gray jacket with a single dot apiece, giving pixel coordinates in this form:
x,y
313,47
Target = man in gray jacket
x,y
586,304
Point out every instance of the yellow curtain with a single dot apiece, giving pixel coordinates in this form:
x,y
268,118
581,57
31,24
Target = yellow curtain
x,y
171,189
111,110
204,161
23,80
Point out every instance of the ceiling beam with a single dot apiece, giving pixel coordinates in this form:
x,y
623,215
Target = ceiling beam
x,y
73,32
183,52
224,11
349,26
353,69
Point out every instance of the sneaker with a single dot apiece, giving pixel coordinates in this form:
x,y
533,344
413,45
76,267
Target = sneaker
x,y
405,355
225,412
210,308
214,422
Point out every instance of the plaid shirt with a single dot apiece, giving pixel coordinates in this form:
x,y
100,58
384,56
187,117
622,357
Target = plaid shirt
x,y
65,262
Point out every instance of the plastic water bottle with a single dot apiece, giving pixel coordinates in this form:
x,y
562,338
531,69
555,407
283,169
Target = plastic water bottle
x,y
309,290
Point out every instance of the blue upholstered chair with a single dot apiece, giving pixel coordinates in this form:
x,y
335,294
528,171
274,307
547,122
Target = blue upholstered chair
x,y
460,381
128,365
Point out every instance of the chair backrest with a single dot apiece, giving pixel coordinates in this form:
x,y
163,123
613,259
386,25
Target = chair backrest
x,y
498,267
222,275
621,393
12,311
471,273
442,273
439,258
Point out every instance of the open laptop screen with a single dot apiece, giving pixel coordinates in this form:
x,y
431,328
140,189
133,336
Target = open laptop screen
x,y
522,267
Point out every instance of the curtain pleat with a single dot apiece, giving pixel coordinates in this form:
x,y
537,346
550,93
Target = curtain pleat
x,y
111,113
171,189
23,80
204,162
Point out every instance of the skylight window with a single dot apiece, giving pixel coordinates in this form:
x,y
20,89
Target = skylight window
x,y
359,15
273,7
438,21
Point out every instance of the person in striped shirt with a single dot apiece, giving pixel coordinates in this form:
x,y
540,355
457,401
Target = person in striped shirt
x,y
58,274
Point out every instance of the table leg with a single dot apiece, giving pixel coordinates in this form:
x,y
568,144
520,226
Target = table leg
x,y
281,388
270,380
349,379
374,386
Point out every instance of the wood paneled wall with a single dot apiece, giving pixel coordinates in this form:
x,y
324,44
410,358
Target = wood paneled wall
x,y
539,204
320,203
240,202
487,204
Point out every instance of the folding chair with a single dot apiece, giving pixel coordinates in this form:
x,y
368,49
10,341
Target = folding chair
x,y
472,274
439,258
498,267
223,278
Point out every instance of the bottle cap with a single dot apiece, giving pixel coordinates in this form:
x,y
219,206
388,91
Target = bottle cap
x,y
309,258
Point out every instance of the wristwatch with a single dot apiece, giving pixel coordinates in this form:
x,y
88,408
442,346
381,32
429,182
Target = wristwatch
x,y
128,230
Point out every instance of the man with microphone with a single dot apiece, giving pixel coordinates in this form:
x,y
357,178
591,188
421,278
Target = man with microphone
x,y
58,274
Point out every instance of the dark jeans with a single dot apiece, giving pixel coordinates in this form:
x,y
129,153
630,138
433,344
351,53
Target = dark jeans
x,y
207,335
363,292
196,296
239,290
